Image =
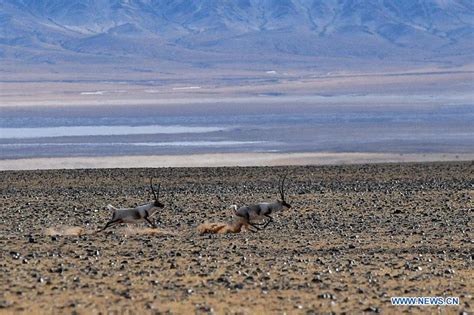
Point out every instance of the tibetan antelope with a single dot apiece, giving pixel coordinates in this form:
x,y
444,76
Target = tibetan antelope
x,y
262,210
137,214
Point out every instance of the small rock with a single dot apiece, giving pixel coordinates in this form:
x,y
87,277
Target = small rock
x,y
372,309
5,304
239,286
327,296
15,255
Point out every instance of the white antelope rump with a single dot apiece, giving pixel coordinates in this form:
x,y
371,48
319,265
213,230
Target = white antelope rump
x,y
255,212
137,214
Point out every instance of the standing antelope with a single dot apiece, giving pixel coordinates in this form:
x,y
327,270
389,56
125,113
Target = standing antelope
x,y
137,214
262,210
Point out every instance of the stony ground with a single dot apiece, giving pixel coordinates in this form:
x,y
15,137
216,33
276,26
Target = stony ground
x,y
356,236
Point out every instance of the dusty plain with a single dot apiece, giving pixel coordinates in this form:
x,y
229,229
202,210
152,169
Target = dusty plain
x,y
215,90
355,236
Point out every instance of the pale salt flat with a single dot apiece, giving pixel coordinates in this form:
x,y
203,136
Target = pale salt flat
x,y
147,144
63,131
187,88
226,159
93,93
377,100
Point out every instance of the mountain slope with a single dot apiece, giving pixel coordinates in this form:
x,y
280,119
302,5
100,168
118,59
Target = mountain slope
x,y
193,31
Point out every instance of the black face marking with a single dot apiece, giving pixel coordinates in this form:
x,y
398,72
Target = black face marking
x,y
158,204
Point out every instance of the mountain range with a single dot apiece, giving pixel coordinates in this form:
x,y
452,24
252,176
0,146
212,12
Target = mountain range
x,y
208,33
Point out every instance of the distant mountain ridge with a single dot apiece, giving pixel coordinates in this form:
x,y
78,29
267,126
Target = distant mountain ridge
x,y
210,30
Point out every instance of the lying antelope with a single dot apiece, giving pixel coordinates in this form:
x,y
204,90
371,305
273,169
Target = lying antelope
x,y
262,210
137,214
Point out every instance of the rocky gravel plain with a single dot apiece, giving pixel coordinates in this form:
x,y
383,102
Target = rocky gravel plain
x,y
355,236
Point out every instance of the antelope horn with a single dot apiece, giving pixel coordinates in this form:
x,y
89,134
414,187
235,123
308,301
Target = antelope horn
x,y
153,190
282,187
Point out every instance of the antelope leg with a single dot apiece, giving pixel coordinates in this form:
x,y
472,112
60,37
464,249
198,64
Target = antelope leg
x,y
109,224
255,226
151,223
249,227
270,220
